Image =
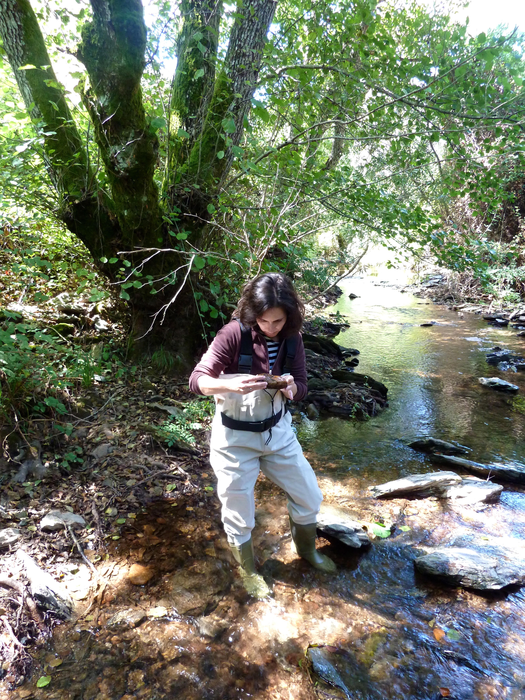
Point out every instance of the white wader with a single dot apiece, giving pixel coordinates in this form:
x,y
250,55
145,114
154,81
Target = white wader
x,y
236,457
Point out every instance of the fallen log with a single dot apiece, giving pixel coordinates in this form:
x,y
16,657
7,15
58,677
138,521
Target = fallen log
x,y
514,473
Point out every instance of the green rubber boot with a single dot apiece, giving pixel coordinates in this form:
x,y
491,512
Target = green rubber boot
x,y
253,582
304,540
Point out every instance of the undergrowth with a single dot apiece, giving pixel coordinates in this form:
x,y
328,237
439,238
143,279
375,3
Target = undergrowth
x,y
194,416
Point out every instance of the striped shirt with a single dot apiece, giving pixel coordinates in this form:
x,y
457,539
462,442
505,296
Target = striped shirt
x,y
273,349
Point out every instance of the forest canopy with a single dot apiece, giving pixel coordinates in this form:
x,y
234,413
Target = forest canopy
x,y
191,145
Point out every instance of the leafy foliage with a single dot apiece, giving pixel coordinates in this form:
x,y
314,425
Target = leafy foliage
x,y
362,122
181,429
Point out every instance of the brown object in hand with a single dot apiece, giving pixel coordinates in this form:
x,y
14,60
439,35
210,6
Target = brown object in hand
x,y
274,381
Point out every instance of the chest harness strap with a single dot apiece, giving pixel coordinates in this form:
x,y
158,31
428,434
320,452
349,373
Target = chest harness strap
x,y
245,367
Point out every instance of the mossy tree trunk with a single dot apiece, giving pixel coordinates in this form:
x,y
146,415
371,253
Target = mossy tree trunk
x,y
122,210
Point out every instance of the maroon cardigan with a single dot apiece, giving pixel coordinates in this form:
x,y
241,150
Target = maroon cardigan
x,y
223,356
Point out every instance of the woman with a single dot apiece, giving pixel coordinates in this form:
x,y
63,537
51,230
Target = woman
x,y
252,430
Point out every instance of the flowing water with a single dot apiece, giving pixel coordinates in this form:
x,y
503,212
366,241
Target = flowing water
x,y
441,642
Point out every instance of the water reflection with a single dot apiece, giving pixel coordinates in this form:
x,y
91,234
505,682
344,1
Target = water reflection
x,y
432,375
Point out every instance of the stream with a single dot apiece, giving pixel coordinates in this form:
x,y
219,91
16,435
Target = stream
x,y
387,632
432,376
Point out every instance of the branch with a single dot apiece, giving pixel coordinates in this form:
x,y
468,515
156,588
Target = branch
x,y
348,272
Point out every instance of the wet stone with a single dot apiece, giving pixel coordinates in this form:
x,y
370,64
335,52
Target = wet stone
x,y
127,618
487,567
431,444
498,384
211,626
198,586
336,523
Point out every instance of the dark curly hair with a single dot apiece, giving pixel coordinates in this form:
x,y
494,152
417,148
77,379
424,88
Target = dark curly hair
x,y
269,291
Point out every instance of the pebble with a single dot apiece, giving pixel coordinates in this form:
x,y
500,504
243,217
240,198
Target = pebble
x,y
139,575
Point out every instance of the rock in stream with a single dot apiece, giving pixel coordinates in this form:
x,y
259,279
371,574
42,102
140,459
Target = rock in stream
x,y
441,484
488,567
336,523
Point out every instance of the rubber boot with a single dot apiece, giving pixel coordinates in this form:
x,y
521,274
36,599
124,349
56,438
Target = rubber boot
x,y
253,582
304,539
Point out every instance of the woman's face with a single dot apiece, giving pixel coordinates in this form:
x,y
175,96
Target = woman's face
x,y
272,321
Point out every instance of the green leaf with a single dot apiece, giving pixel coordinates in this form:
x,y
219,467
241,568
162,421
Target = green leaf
x,y
183,134
220,155
211,209
228,125
404,528
199,262
379,530
43,680
158,123
454,635
199,73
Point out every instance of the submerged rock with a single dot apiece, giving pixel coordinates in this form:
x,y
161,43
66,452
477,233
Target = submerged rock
x,y
197,587
488,567
431,444
498,384
336,523
497,356
342,670
346,375
505,472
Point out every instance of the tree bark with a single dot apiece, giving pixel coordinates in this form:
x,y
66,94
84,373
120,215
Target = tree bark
x,y
86,212
211,155
113,48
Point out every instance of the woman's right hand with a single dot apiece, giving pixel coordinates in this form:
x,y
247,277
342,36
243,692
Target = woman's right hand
x,y
244,384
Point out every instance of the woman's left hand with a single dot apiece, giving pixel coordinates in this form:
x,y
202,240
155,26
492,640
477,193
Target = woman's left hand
x,y
291,389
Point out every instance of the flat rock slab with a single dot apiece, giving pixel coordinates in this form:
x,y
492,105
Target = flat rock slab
x,y
58,520
431,444
488,567
421,485
514,473
498,384
336,523
464,491
472,490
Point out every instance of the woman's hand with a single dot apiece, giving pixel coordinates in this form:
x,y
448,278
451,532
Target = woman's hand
x,y
291,389
245,384
224,383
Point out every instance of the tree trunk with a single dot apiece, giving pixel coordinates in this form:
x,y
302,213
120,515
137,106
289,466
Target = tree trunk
x,y
130,218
